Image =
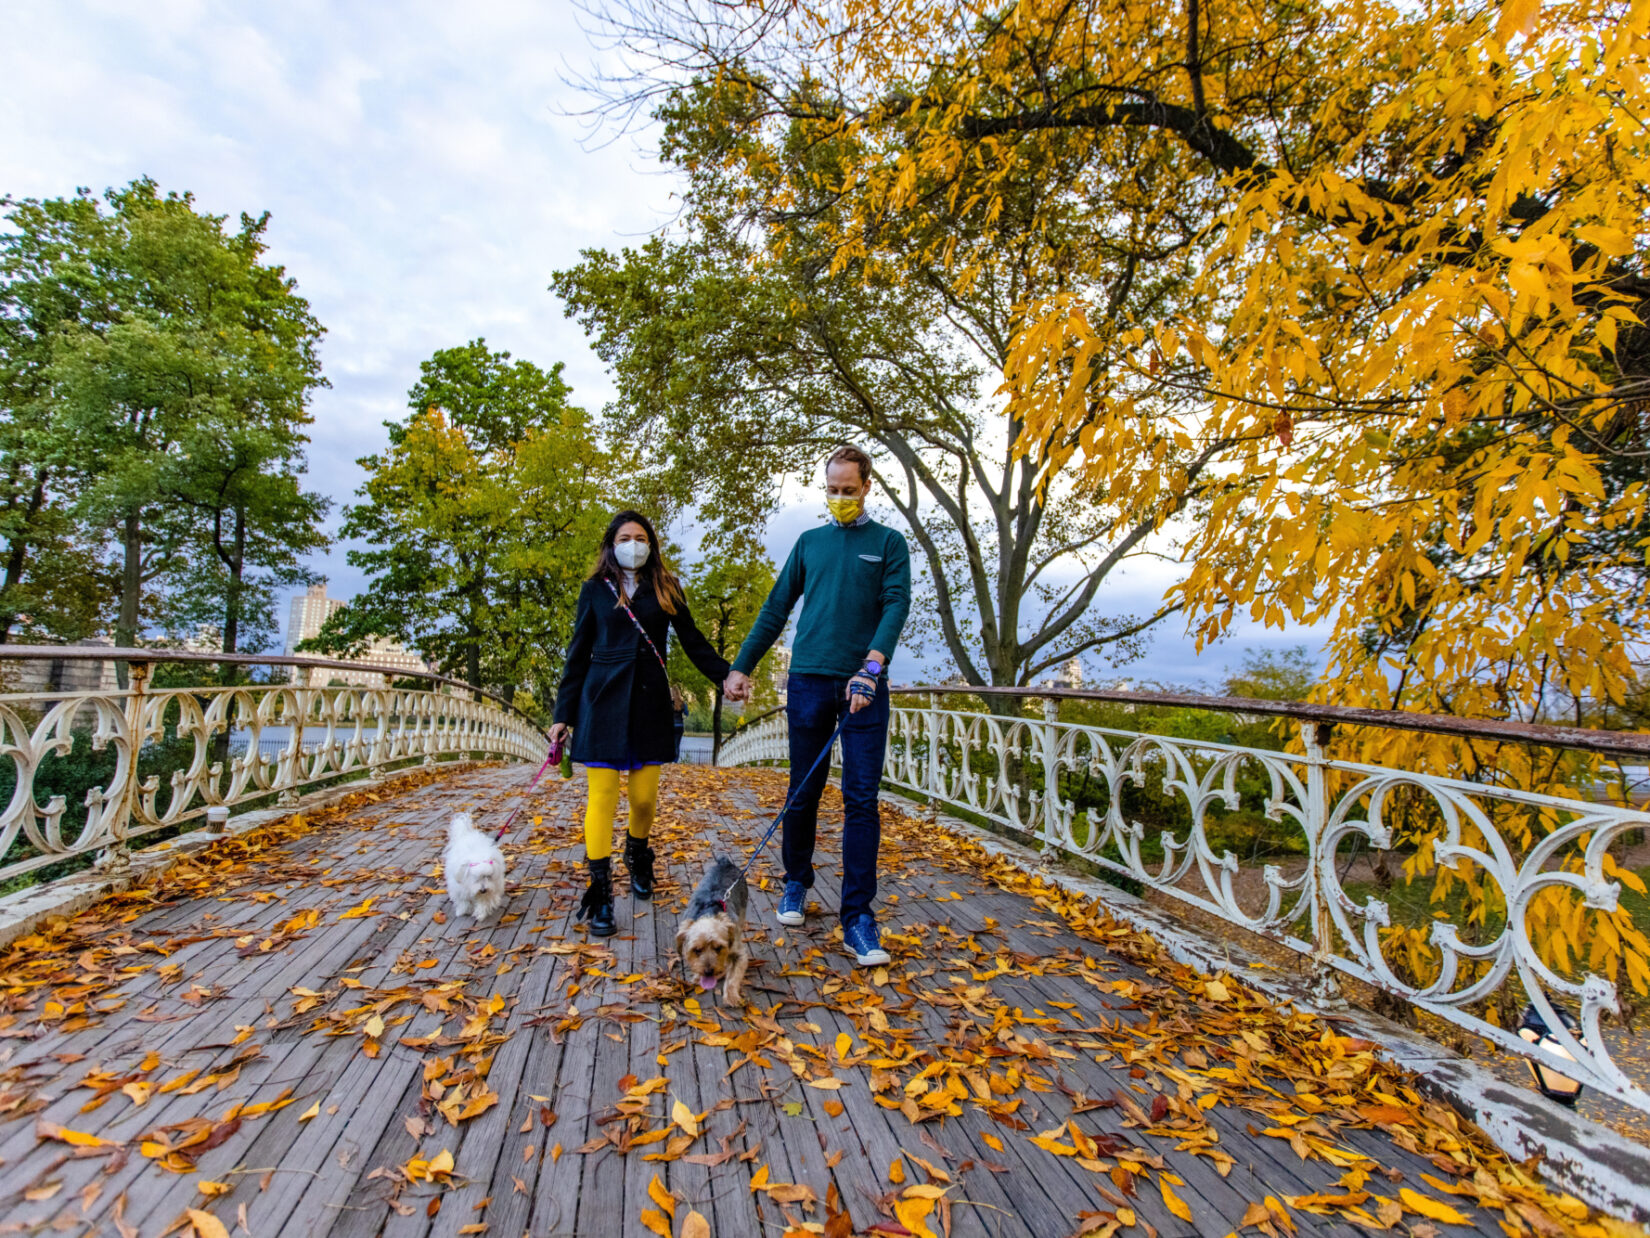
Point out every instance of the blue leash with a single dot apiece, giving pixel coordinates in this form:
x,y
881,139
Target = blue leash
x,y
824,752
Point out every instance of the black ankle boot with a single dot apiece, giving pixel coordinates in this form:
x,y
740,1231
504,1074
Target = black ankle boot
x,y
638,860
597,905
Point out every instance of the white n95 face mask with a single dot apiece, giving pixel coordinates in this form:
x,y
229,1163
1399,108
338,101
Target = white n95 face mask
x,y
631,555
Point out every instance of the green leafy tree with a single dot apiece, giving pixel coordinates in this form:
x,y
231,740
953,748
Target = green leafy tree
x,y
256,526
726,589
53,582
154,333
1274,675
478,522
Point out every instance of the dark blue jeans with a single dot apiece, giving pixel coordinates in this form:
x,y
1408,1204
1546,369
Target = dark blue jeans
x,y
814,704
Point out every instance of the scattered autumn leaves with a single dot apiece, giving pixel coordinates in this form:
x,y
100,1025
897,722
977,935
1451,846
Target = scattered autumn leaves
x,y
962,1024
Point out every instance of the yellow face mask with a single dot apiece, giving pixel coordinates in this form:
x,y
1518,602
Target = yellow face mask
x,y
845,510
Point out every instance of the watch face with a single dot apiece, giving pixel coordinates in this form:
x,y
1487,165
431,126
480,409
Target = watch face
x,y
874,667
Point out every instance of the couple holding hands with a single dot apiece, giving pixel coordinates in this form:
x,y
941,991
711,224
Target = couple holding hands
x,y
853,577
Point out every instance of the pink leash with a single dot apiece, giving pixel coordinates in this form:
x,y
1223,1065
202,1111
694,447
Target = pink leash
x,y
505,828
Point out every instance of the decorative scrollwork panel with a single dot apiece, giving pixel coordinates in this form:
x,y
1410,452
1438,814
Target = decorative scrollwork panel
x,y
149,759
1172,814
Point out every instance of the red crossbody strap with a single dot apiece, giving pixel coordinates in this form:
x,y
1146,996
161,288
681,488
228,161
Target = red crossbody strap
x,y
639,626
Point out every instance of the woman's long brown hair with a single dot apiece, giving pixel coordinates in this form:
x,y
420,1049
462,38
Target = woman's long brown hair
x,y
655,571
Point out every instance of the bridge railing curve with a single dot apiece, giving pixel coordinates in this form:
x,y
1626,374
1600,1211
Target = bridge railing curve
x,y
215,741
1017,774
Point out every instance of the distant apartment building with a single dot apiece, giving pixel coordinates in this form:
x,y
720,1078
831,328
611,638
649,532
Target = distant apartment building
x,y
309,611
313,608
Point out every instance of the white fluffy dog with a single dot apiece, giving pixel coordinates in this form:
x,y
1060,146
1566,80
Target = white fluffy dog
x,y
475,869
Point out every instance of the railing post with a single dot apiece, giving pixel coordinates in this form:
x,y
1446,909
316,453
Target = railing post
x,y
1051,771
291,793
1326,988
931,776
375,767
117,856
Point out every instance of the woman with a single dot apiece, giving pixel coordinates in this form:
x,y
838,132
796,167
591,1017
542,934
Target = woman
x,y
615,700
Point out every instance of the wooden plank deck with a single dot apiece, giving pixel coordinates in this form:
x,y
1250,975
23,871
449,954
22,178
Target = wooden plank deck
x,y
301,1040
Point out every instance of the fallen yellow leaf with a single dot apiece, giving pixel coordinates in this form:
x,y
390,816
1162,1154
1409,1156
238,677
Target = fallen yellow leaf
x,y
657,1193
206,1225
1173,1202
913,1214
50,1130
1432,1208
683,1117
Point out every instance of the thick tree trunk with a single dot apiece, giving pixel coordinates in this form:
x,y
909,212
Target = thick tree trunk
x,y
716,730
131,588
228,672
17,557
234,602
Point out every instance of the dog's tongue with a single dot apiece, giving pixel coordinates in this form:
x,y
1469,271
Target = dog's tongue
x,y
707,983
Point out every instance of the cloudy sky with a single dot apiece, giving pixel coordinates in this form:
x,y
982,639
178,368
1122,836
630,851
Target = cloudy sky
x,y
426,167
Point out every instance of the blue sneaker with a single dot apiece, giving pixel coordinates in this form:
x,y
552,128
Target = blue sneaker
x,y
792,902
862,938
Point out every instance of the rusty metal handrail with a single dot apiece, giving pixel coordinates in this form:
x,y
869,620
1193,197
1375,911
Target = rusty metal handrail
x,y
1607,743
150,656
328,733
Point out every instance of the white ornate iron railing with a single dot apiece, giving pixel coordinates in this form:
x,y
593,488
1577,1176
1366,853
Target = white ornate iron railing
x,y
1017,773
211,738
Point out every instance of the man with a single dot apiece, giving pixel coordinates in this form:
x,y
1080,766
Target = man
x,y
854,578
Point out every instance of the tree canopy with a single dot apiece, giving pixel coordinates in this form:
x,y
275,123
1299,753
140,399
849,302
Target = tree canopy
x,y
479,521
1402,370
743,358
155,375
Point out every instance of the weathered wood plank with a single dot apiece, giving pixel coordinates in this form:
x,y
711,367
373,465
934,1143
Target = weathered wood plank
x,y
323,1181
178,1043
327,1146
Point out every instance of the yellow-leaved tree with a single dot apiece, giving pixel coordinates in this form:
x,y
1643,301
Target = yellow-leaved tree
x,y
1411,367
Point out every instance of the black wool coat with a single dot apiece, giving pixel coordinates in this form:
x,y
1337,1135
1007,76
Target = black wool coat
x,y
613,693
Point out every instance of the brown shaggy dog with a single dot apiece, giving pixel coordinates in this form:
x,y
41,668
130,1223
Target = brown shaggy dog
x,y
711,940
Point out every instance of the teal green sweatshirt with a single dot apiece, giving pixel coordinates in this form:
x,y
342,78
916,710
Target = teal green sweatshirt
x,y
855,586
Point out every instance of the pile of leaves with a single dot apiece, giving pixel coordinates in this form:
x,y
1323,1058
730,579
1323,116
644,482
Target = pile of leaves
x,y
966,1021
1205,1043
60,975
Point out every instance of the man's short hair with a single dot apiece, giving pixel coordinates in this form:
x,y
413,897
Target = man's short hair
x,y
854,456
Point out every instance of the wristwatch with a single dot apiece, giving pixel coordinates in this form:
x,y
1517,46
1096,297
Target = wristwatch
x,y
872,667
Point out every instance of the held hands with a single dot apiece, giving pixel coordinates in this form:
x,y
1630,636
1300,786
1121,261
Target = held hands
x,y
737,687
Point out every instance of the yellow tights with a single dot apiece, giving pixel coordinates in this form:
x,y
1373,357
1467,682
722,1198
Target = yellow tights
x,y
602,807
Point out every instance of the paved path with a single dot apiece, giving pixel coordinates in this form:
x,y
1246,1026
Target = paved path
x,y
299,1039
